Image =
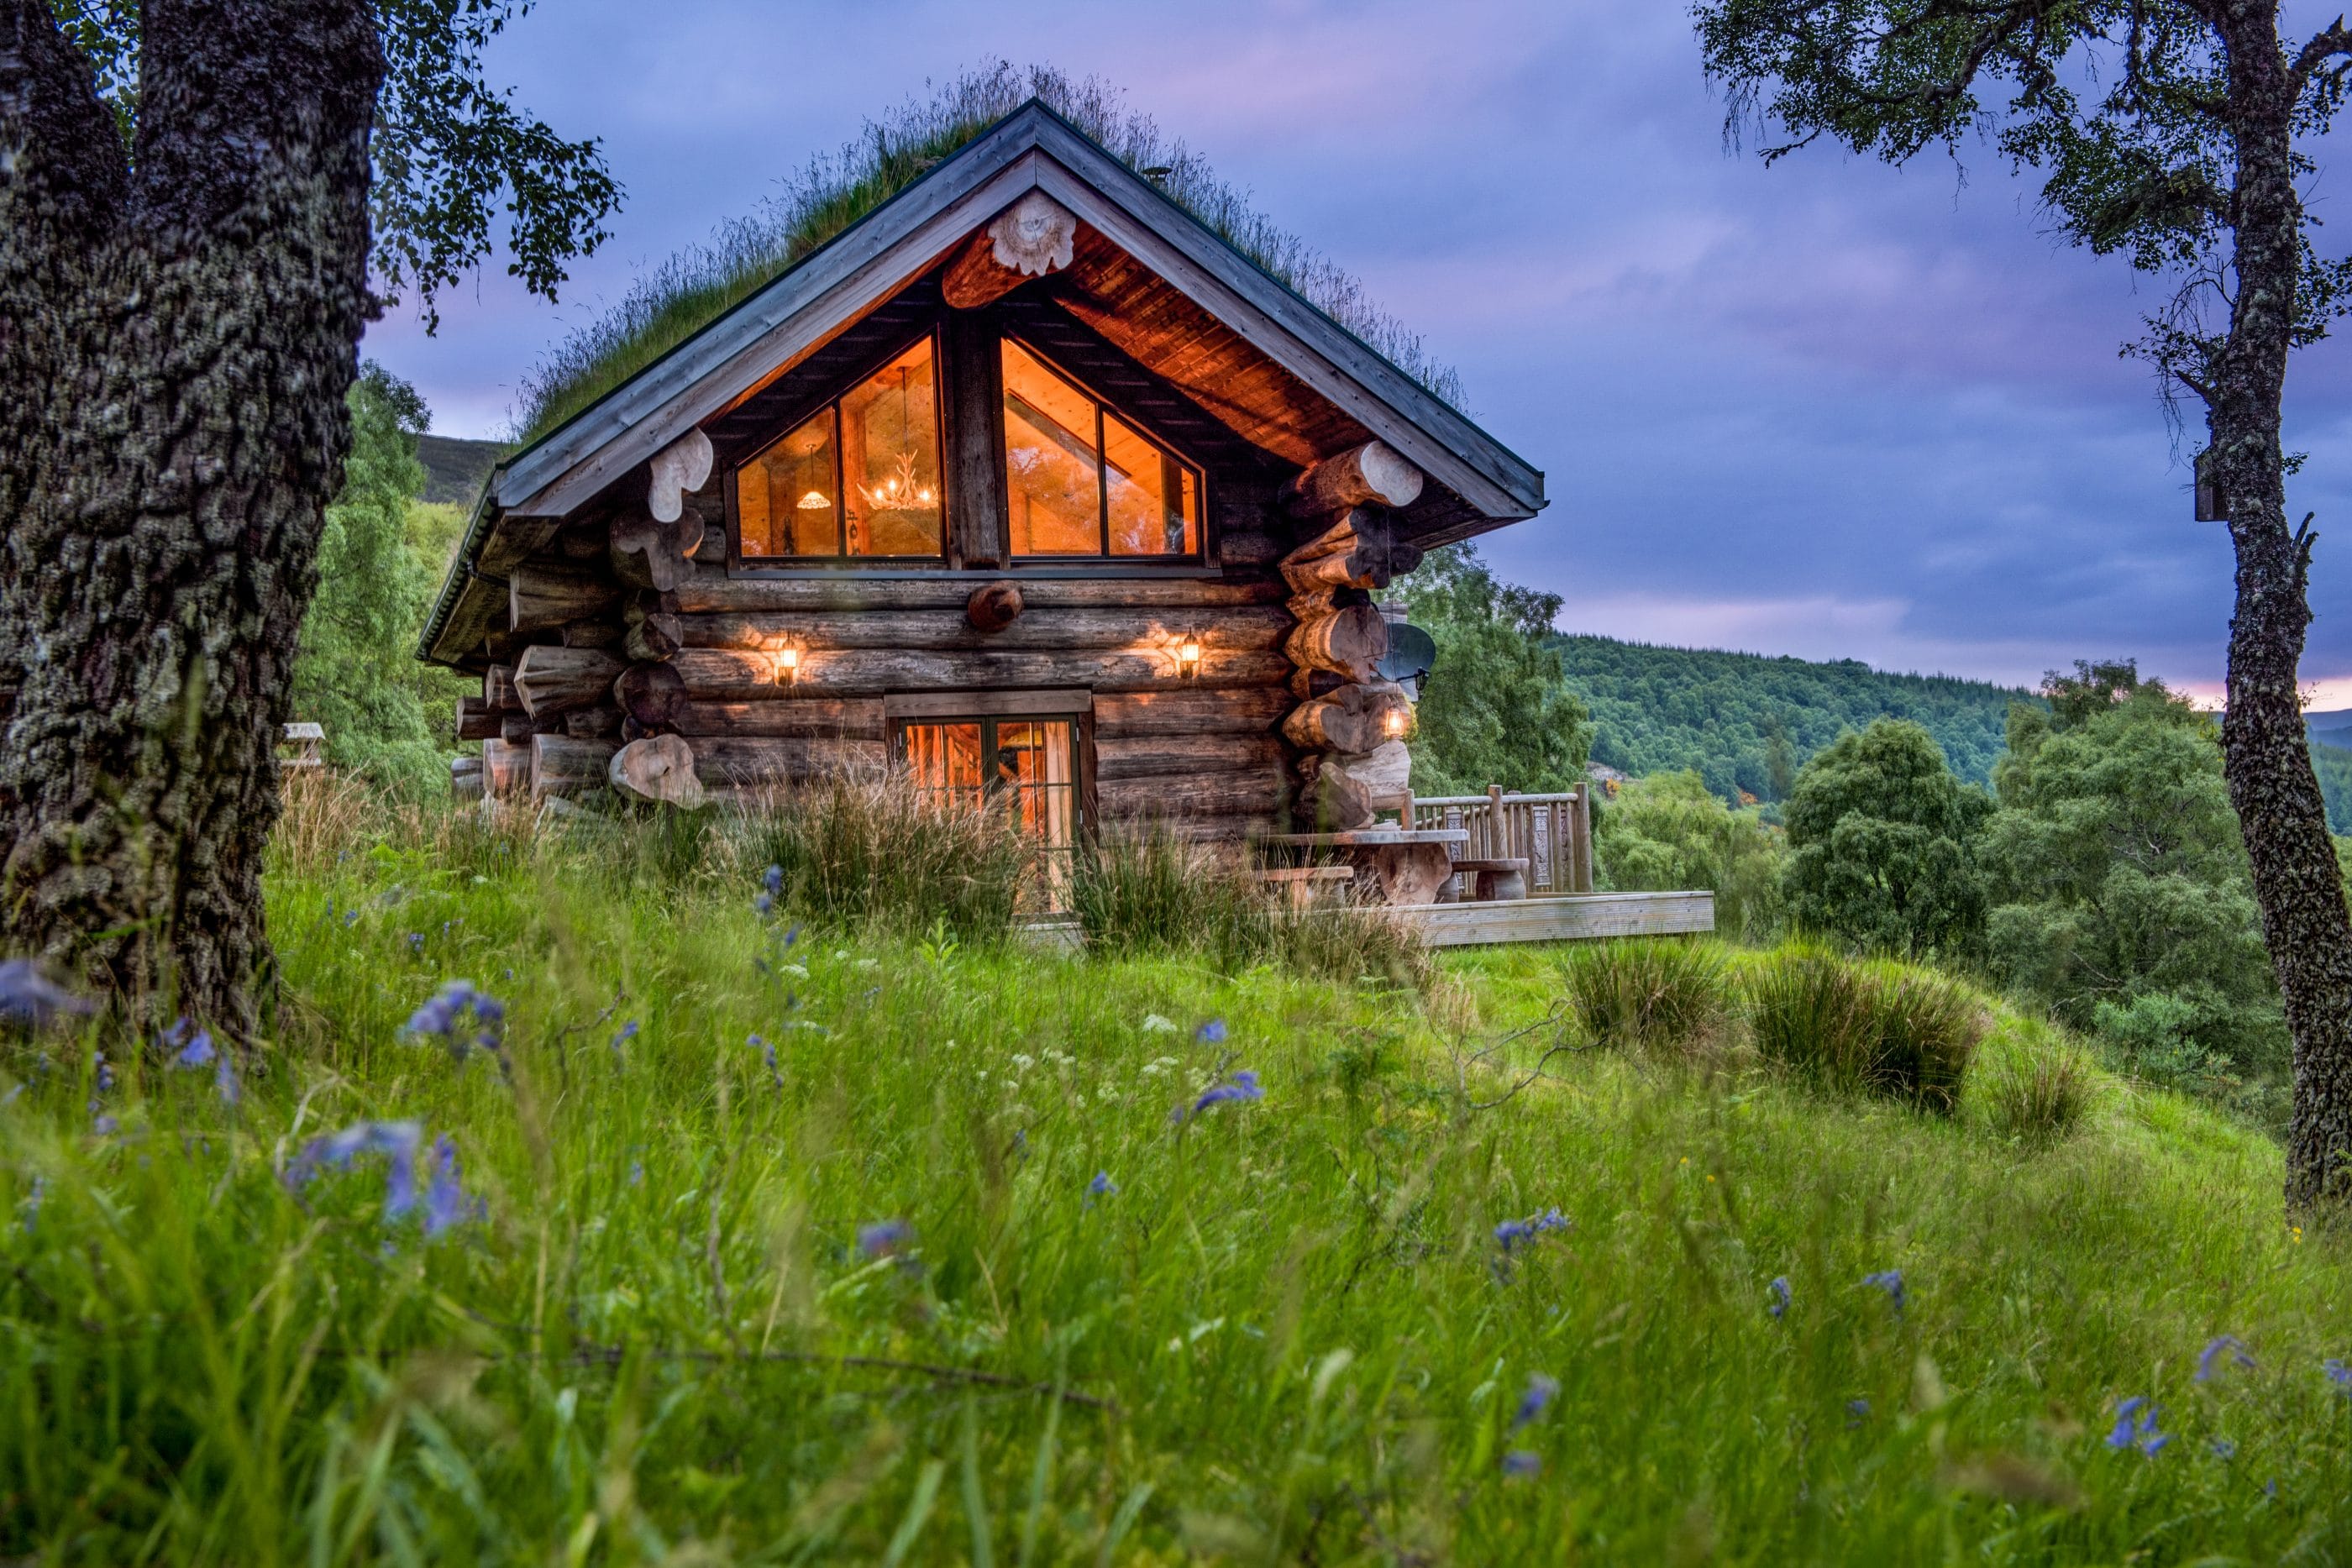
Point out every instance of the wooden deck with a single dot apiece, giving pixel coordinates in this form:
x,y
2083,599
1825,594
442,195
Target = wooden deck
x,y
1571,917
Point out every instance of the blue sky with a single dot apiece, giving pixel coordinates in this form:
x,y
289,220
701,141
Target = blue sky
x,y
1828,409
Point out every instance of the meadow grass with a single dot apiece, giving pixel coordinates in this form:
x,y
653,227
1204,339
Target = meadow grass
x,y
964,1276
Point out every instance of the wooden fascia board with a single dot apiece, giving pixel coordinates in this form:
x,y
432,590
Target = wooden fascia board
x,y
1332,361
870,261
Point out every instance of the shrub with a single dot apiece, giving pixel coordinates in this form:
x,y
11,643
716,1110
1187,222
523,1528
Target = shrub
x,y
1648,992
2032,1083
1667,831
1866,1027
872,851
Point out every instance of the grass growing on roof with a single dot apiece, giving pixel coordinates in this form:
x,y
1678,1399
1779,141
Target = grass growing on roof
x,y
807,1244
694,287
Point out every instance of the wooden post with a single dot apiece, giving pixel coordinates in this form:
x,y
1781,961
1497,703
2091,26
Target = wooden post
x,y
973,381
1584,819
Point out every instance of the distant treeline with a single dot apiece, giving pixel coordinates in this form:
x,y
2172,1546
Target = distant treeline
x,y
1746,723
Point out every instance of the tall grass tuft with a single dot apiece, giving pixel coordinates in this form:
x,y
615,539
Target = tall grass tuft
x,y
1154,893
692,288
322,814
2030,1083
871,851
1655,993
1866,1027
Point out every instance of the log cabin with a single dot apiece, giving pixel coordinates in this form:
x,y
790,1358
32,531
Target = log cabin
x,y
1027,482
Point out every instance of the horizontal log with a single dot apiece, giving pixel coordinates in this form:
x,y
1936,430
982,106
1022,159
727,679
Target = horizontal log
x,y
498,688
1172,797
1244,628
514,540
1190,710
475,719
1232,829
1374,472
1353,718
465,781
710,591
506,768
557,680
561,764
804,719
716,675
741,760
541,594
1119,756
1247,546
1350,641
597,723
599,633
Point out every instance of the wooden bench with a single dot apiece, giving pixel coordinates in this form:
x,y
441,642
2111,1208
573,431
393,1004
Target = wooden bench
x,y
1302,884
1485,881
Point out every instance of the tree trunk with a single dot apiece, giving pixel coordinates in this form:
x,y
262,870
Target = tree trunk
x,y
2266,756
177,336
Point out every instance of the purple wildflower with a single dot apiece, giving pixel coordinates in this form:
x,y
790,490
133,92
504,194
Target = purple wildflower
x,y
764,905
446,1204
105,1074
1779,1288
443,1015
32,1000
1242,1085
637,1173
417,942
1540,1392
397,1141
2224,1448
198,1052
2338,1374
2136,1427
1519,1464
224,1083
1211,1033
627,1032
1515,1234
884,1238
1891,1281
34,1194
1857,1411
772,879
2209,1360
105,1126
1102,1185
767,1054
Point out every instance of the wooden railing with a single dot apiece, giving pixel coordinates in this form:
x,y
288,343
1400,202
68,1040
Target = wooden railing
x,y
1553,833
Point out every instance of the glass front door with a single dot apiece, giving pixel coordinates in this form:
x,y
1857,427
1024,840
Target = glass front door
x,y
1029,766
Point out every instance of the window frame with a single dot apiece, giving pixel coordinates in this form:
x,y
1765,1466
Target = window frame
x,y
1170,453
740,564
989,710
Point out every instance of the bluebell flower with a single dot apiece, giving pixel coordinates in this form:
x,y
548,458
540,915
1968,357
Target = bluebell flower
x,y
417,942
2338,1374
198,1052
105,1074
34,1194
1540,1392
1242,1085
104,1125
772,879
350,917
767,1054
1102,1185
31,999
397,1141
884,1238
765,905
1857,1411
1211,1033
1779,1288
637,1173
627,1032
1519,1464
2208,1359
224,1083
446,1204
2136,1427
2223,1450
1891,1281
1513,1234
447,1010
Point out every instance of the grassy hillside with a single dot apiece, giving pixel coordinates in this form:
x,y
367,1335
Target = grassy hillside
x,y
958,1273
1661,710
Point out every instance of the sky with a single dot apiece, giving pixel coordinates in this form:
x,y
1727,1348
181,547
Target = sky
x,y
1829,408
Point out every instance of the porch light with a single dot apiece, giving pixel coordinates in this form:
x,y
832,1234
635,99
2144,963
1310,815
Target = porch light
x,y
1188,655
1395,722
788,667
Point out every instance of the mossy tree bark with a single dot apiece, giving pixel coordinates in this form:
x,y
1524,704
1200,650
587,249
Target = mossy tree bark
x,y
179,321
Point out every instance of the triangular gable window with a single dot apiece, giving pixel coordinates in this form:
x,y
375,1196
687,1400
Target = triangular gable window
x,y
1082,481
858,477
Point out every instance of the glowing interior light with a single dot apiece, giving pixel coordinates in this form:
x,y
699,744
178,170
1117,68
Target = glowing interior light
x,y
1395,722
814,502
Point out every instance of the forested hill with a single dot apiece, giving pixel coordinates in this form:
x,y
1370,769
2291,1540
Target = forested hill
x,y
1658,710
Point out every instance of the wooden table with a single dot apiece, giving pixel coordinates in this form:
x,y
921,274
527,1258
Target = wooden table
x,y
1409,866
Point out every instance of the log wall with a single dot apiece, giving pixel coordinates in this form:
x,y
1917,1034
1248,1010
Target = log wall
x,y
591,658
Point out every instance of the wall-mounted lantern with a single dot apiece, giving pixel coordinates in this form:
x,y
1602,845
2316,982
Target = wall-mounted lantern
x,y
788,667
1188,656
1397,723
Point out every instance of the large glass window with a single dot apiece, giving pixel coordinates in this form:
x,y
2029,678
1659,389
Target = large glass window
x,y
1081,481
858,477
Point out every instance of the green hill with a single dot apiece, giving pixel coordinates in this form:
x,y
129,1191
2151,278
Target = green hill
x,y
1658,710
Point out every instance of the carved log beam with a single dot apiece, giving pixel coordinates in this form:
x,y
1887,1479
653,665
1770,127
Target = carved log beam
x,y
475,719
1358,548
650,552
681,468
651,696
1030,238
540,595
1371,475
557,680
659,768
1352,719
1351,641
499,689
559,765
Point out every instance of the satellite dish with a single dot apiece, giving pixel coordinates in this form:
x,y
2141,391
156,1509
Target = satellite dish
x,y
1412,654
